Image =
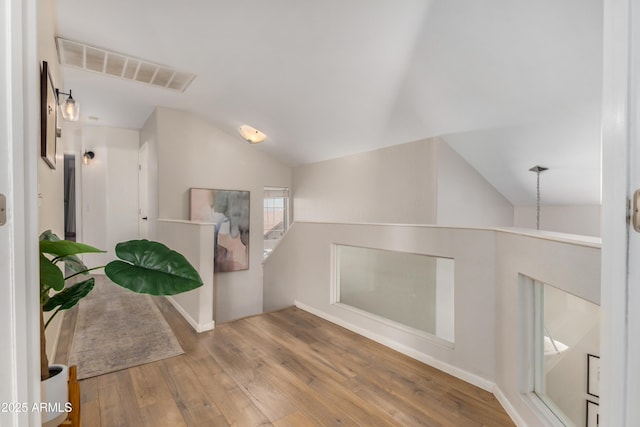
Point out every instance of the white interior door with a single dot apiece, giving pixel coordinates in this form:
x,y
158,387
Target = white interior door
x,y
19,308
633,257
620,294
143,191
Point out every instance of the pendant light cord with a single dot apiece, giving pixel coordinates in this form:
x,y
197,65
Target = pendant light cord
x,y
537,169
538,201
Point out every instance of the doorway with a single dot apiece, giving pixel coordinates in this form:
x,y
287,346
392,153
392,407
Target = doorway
x,y
70,197
143,192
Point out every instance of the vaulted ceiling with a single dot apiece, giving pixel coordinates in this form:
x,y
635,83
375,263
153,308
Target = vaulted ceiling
x,y
508,84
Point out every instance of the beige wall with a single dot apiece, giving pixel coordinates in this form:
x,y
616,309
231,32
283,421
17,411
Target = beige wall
x,y
584,220
395,185
424,182
193,153
464,197
50,181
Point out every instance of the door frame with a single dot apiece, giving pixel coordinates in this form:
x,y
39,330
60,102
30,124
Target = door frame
x,y
619,379
143,191
19,142
19,106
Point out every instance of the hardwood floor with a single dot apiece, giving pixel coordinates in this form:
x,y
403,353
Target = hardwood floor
x,y
286,368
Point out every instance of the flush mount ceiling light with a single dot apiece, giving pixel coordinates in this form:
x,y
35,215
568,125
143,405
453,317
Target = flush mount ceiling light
x,y
114,64
252,135
70,108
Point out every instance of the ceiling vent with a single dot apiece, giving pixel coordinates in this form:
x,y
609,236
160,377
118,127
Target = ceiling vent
x,y
115,64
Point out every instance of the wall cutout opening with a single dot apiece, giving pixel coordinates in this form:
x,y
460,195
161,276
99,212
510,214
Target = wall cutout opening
x,y
566,347
412,291
275,216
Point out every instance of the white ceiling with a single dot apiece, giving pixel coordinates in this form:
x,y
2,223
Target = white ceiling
x,y
508,83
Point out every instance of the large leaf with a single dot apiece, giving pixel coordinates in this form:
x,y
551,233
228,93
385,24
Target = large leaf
x,y
152,268
65,248
70,296
50,236
50,275
71,262
75,264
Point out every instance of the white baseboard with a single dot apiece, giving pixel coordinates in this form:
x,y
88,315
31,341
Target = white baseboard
x,y
509,408
402,348
198,327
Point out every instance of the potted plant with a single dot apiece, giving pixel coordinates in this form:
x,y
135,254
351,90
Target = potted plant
x,y
143,267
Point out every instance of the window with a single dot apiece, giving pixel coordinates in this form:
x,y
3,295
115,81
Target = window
x,y
275,216
566,343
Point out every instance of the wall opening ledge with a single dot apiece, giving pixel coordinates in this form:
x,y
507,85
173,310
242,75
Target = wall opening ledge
x,y
195,241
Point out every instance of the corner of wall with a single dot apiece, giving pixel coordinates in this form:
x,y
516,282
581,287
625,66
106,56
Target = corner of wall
x,y
189,152
391,185
464,197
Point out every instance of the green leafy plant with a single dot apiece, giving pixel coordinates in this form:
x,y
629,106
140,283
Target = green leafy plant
x,y
143,267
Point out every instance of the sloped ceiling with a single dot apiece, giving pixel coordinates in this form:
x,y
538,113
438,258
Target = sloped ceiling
x,y
508,84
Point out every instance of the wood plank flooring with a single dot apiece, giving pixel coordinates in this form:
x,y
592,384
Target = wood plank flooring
x,y
282,369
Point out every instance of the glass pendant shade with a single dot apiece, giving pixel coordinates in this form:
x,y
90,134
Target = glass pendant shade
x,y
71,109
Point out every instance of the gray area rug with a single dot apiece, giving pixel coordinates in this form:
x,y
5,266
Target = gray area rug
x,y
117,329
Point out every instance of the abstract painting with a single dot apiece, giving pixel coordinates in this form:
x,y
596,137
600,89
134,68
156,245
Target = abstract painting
x,y
229,211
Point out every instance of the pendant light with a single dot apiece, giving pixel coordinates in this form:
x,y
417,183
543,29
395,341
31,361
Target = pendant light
x,y
70,108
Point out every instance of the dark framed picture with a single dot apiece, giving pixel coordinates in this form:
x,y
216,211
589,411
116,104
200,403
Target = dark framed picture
x,y
48,117
593,375
593,414
229,211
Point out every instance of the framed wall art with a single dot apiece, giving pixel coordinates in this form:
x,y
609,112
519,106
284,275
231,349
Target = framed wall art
x,y
593,375
593,414
48,117
229,211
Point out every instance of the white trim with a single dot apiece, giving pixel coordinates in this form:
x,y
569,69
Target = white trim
x,y
198,327
476,380
631,370
19,324
184,221
508,407
399,326
573,239
615,400
543,412
19,131
334,285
